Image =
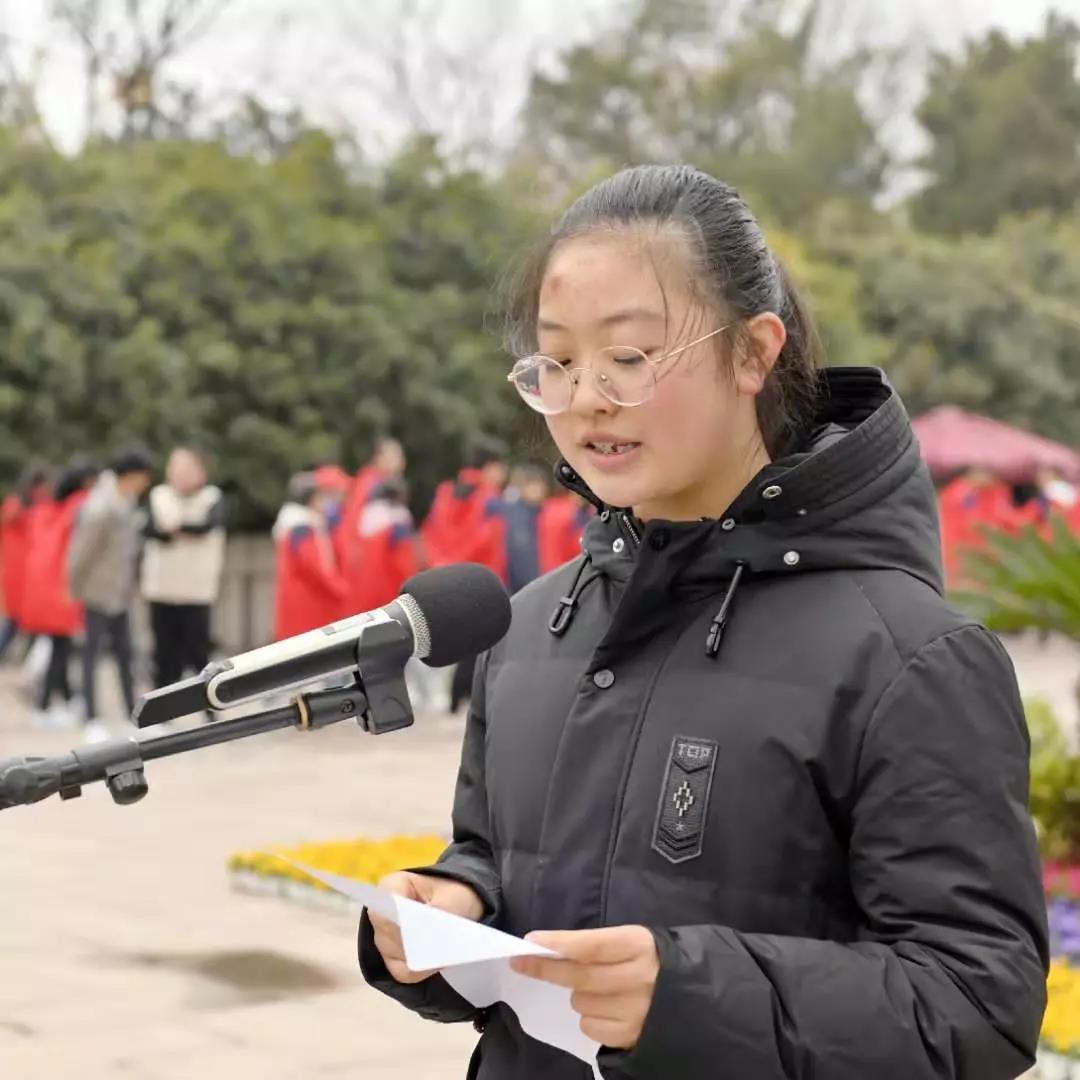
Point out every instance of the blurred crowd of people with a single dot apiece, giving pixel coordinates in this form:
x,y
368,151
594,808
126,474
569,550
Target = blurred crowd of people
x,y
348,543
978,502
79,545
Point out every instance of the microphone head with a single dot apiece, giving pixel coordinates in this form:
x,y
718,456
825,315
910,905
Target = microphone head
x,y
465,607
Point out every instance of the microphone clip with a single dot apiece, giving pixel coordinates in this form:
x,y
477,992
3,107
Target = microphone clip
x,y
382,675
379,699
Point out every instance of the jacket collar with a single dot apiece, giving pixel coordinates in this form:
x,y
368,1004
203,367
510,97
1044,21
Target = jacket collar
x,y
856,495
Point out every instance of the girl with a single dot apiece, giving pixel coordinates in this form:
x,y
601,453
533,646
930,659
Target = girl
x,y
751,777
48,608
309,588
16,513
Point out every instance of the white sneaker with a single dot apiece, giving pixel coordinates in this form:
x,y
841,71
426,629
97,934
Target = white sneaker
x,y
37,660
68,715
94,731
58,717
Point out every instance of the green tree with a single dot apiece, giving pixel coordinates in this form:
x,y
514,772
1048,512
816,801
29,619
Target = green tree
x,y
986,323
282,311
833,293
1003,119
750,97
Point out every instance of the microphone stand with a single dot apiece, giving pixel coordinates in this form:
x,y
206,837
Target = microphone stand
x,y
119,762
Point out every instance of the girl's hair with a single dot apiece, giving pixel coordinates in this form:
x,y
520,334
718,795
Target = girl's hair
x,y
197,451
78,473
731,264
484,450
303,487
35,476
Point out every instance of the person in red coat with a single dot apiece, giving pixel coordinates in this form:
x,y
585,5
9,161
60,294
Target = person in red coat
x,y
1058,500
1072,518
14,525
310,588
387,547
561,526
968,506
47,606
466,524
387,463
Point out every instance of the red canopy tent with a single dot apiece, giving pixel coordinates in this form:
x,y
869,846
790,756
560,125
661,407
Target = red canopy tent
x,y
953,441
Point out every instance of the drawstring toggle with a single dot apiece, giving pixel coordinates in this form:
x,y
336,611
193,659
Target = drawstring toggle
x,y
720,619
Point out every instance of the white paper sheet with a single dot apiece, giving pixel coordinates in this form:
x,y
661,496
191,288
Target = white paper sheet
x,y
474,960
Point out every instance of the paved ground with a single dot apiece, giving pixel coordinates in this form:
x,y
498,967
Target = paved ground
x,y
124,954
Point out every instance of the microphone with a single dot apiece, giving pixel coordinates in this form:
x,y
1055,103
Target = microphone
x,y
441,616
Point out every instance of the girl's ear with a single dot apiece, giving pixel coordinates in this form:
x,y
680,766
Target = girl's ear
x,y
765,337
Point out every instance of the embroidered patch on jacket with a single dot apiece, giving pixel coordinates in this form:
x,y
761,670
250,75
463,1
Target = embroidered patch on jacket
x,y
684,799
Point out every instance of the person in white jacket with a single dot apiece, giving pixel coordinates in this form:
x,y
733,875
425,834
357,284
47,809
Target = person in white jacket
x,y
182,564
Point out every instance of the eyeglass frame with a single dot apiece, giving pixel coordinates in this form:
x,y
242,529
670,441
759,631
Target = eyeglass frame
x,y
570,372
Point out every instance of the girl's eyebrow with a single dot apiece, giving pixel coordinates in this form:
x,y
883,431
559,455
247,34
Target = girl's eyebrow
x,y
623,315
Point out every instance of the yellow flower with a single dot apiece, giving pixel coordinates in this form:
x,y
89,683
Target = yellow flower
x,y
1061,1025
361,859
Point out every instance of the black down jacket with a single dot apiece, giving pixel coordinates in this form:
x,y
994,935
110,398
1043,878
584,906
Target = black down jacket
x,y
771,741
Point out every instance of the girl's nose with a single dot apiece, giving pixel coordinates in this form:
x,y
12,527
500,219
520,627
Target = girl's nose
x,y
587,399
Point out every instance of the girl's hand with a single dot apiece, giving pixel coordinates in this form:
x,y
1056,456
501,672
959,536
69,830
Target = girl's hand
x,y
439,892
611,971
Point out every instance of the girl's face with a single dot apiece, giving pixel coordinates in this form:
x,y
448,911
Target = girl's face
x,y
185,472
689,450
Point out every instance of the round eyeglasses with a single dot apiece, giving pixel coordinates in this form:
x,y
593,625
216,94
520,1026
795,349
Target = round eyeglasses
x,y
623,374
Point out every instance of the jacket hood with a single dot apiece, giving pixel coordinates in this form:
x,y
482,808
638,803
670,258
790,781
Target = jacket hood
x,y
381,514
295,516
106,491
855,496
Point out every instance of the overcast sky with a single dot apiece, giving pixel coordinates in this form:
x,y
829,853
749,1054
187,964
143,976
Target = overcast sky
x,y
306,52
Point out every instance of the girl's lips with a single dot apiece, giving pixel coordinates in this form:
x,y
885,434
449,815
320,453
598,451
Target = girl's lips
x,y
623,458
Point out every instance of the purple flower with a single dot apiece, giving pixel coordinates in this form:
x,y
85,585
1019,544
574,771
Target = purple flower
x,y
1064,920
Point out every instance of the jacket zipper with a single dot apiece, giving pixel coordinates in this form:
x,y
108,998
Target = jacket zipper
x,y
628,521
624,780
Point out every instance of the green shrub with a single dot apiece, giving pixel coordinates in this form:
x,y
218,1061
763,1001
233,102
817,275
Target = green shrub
x,y
1055,785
